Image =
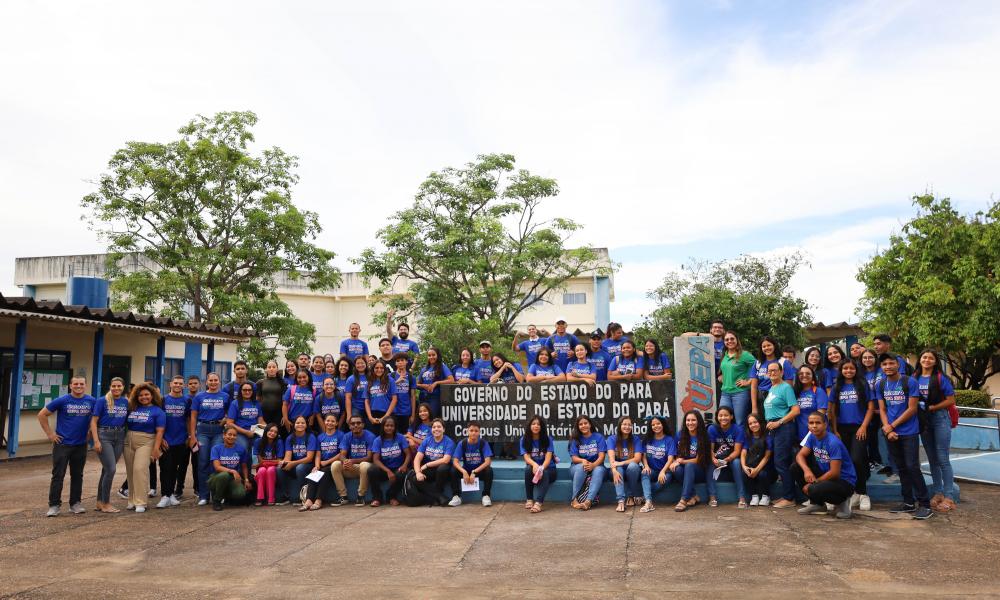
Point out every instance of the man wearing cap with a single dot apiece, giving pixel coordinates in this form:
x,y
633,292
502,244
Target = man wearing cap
x,y
530,346
561,344
599,358
483,368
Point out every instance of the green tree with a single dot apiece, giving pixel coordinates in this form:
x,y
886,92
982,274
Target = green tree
x,y
217,223
936,286
749,294
474,254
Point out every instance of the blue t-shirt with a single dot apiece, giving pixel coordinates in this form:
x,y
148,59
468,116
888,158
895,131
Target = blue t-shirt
x,y
897,401
535,451
353,348
614,347
211,406
562,348
831,448
247,417
177,409
508,377
404,346
357,387
391,452
626,366
300,446
329,444
114,417
947,389
577,368
600,361
434,449
548,370
809,400
759,370
465,372
720,349
231,458
659,451
828,377
849,408
289,379
588,447
232,390
404,399
726,439
531,348
483,370
380,395
275,452
147,419
421,431
325,405
358,447
300,401
656,367
317,381
611,443
427,377
72,417
873,377
692,451
472,455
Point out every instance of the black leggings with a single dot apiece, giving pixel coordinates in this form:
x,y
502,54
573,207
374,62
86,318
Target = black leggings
x,y
377,476
761,484
320,490
485,480
830,491
859,454
436,478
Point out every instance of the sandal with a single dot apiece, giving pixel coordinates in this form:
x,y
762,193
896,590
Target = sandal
x,y
576,504
393,502
110,509
621,505
742,504
259,503
529,505
713,502
682,506
316,505
586,505
630,501
536,508
376,503
693,501
305,506
647,507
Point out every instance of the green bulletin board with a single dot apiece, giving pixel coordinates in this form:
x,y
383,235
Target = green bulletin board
x,y
39,386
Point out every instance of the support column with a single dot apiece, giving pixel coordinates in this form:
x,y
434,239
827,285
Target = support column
x,y
14,420
161,352
95,386
192,359
210,358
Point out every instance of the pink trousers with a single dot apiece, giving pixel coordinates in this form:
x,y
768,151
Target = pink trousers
x,y
266,477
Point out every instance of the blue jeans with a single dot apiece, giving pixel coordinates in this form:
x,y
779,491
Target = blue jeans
x,y
693,473
785,447
630,481
579,475
290,482
209,436
937,442
736,469
112,447
651,484
739,402
883,449
536,491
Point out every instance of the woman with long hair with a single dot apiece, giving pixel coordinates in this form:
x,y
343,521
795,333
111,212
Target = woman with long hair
x,y
814,358
694,459
852,409
737,371
146,422
659,453
381,399
328,447
208,409
432,376
628,366
587,450
270,391
756,459
539,463
243,414
868,366
269,450
781,408
656,362
357,390
465,370
298,400
432,464
505,371
391,458
231,480
291,368
544,368
625,452
581,369
329,403
727,441
300,452
761,382
831,366
937,393
811,395
107,429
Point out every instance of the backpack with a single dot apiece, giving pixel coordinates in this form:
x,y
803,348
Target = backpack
x,y
411,494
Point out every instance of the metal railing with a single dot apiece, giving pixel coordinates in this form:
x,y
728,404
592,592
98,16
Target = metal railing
x,y
989,411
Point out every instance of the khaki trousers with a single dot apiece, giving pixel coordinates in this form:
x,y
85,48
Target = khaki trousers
x,y
138,450
359,472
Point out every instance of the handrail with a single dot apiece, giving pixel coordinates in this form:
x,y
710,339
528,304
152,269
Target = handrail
x,y
990,411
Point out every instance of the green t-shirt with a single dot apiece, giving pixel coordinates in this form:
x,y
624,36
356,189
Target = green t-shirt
x,y
779,401
733,369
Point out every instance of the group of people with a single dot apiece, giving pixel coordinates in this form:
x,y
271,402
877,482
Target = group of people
x,y
297,434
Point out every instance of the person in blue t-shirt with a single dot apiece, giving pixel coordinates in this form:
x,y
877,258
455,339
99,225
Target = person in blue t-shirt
x,y
471,460
483,367
882,344
244,414
505,371
353,346
629,366
587,449
382,397
298,400
616,337
73,414
655,362
300,453
176,453
544,369
536,448
727,441
824,471
598,358
851,409
760,381
145,423
391,457
357,390
659,452
329,402
465,371
401,342
107,430
231,480
290,370
831,367
432,376
562,344
355,460
580,369
937,396
432,464
317,373
811,395
421,428
530,346
208,409
756,458
328,451
232,388
899,402
694,460
625,452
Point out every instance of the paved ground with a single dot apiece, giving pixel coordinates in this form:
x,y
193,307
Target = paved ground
x,y
473,552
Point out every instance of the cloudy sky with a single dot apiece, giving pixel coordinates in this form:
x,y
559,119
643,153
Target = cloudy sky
x,y
675,129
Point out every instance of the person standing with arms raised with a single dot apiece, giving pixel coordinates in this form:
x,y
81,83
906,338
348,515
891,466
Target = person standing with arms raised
x,y
73,413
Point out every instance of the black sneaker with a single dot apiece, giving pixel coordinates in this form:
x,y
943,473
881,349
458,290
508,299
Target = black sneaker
x,y
216,505
339,501
922,513
903,507
886,470
360,501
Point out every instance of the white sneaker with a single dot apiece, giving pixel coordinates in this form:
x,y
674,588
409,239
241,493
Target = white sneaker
x,y
806,504
765,500
865,503
202,502
855,500
152,492
77,509
164,502
52,512
830,507
130,506
173,501
487,501
754,500
140,509
455,501
892,479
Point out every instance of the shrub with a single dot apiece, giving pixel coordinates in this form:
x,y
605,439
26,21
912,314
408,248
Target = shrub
x,y
972,398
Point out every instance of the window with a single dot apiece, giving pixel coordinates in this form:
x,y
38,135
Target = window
x,y
224,369
175,366
575,298
36,359
533,300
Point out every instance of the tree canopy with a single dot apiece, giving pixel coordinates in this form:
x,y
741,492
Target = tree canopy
x,y
749,294
219,223
936,287
474,253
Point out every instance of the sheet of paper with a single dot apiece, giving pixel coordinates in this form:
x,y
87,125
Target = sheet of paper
x,y
315,476
63,390
470,487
